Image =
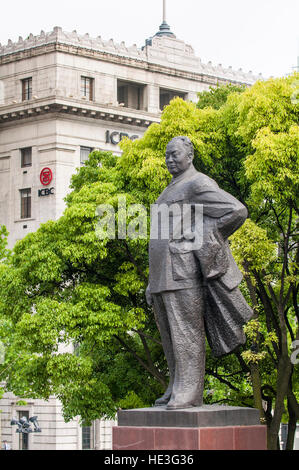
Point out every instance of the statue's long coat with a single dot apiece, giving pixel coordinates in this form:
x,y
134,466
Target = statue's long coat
x,y
226,310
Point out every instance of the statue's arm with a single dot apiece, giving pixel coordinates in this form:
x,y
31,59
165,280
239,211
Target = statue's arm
x,y
223,215
229,213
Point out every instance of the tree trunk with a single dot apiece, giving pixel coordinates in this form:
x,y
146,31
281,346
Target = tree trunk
x,y
283,377
293,409
254,368
291,428
256,387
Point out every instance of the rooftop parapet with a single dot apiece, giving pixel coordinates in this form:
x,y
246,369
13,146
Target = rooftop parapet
x,y
73,38
161,50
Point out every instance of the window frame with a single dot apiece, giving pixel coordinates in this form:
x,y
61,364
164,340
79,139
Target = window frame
x,y
26,89
172,93
26,197
82,148
125,88
87,87
23,157
86,437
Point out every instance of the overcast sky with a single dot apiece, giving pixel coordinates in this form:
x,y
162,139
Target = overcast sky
x,y
257,35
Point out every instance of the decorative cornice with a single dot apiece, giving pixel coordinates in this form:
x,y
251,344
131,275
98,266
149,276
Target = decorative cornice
x,y
155,56
65,107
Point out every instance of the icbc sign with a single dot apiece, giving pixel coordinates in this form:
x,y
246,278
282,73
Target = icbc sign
x,y
45,192
46,176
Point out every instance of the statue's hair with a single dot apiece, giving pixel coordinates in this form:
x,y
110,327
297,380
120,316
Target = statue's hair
x,y
186,143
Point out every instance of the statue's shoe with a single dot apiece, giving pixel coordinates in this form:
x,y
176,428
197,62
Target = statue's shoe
x,y
181,404
163,400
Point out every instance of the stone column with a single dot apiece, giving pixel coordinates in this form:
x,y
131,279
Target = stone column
x,y
97,434
153,99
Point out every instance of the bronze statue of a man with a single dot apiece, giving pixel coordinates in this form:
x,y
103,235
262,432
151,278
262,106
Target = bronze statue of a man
x,y
194,288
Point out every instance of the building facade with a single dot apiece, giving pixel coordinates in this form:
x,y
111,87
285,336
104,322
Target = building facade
x,y
61,96
55,433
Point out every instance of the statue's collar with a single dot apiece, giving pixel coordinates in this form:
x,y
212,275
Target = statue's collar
x,y
187,174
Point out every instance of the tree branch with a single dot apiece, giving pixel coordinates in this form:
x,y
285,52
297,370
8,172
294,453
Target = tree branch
x,y
147,336
152,371
285,259
222,380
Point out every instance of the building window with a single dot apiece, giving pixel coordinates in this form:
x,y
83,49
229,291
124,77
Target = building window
x,y
167,95
26,157
86,438
25,203
87,86
84,154
23,437
27,89
131,95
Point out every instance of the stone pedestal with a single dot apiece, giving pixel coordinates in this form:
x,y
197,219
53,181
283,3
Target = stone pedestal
x,y
210,427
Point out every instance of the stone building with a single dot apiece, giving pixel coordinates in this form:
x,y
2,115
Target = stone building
x,y
62,95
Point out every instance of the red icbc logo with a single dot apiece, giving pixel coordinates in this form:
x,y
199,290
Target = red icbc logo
x,y
46,176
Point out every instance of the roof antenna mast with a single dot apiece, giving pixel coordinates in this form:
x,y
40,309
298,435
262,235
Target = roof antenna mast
x,y
164,29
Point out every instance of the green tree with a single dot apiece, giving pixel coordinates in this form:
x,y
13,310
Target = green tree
x,y
268,122
261,126
216,97
4,252
64,289
4,256
65,286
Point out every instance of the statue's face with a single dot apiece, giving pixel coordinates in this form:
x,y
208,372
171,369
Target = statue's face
x,y
177,158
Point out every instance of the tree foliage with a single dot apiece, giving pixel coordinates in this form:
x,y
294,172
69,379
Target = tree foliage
x,y
4,252
4,257
216,97
66,289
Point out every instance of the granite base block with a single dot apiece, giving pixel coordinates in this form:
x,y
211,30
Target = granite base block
x,y
220,438
209,427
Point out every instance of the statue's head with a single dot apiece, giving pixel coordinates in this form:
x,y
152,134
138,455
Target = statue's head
x,y
179,155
